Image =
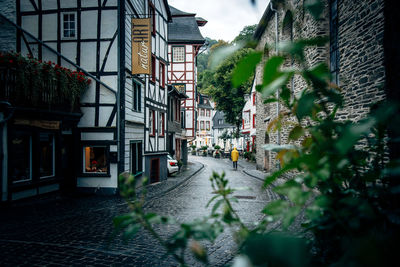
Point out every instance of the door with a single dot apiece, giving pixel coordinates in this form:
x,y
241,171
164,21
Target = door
x,y
154,170
68,184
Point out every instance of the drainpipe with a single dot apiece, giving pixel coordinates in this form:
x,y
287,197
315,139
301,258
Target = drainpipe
x,y
3,147
276,51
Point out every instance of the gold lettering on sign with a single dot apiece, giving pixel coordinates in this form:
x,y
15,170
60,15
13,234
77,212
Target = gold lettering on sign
x,y
141,46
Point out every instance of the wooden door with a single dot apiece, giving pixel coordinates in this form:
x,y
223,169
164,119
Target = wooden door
x,y
154,170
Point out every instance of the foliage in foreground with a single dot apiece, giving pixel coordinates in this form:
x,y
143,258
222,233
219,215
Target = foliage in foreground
x,y
341,180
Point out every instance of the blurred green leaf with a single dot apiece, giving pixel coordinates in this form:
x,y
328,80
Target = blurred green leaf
x,y
276,207
352,134
131,230
290,215
245,68
296,133
305,105
276,249
277,148
271,70
221,53
315,7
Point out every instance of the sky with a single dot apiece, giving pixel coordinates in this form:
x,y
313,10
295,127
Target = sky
x,y
226,18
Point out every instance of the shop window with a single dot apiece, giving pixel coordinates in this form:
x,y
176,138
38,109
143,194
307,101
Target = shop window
x,y
95,159
20,157
47,155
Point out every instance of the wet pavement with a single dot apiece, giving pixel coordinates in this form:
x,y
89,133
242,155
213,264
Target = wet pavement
x,y
78,230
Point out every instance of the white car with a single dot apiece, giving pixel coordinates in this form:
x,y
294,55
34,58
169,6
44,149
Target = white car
x,y
172,165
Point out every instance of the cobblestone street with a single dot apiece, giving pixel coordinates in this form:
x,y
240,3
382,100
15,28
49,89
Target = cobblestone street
x,y
77,231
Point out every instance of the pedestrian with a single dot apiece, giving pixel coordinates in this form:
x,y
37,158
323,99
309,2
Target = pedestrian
x,y
235,157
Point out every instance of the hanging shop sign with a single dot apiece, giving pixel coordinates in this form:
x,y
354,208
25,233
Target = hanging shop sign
x,y
141,46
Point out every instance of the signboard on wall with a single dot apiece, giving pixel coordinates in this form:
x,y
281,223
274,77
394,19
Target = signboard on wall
x,y
141,46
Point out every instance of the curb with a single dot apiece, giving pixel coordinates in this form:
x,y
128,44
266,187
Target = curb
x,y
167,190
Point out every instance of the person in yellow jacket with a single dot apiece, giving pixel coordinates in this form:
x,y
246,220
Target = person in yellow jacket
x,y
235,157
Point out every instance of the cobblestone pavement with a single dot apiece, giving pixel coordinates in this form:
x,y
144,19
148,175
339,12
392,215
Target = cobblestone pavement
x,y
78,231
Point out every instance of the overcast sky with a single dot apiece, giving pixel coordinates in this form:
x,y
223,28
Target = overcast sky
x,y
226,18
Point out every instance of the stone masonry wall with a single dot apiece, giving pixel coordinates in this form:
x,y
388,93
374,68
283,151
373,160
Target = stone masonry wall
x,y
7,32
361,63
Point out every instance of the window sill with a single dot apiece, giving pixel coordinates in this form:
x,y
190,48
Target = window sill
x,y
105,175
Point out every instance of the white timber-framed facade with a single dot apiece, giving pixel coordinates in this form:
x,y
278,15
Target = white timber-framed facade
x,y
109,130
184,43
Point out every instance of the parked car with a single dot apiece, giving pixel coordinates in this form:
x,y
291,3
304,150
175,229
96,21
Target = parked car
x,y
172,165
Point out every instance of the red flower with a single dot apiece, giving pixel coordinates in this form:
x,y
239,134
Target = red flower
x,y
11,61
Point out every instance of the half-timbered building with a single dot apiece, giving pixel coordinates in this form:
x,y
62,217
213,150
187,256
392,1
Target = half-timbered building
x,y
155,153
184,43
118,109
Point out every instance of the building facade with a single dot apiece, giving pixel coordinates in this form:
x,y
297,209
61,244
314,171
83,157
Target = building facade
x,y
121,118
248,130
222,132
355,55
185,41
204,121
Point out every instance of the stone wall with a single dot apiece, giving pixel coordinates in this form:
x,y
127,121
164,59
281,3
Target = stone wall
x,y
361,69
8,35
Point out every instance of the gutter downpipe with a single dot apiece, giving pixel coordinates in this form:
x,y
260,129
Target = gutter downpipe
x,y
278,138
276,51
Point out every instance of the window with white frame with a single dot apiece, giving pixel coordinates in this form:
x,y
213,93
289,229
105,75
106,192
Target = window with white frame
x,y
161,127
95,159
207,125
246,118
202,125
178,54
47,155
152,123
69,25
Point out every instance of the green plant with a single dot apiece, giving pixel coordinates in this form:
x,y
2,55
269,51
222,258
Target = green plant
x,y
338,172
189,233
246,155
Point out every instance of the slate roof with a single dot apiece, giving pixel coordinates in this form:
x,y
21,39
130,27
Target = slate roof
x,y
219,115
184,28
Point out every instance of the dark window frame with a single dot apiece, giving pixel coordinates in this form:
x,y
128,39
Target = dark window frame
x,y
136,96
153,68
162,75
152,13
334,56
138,160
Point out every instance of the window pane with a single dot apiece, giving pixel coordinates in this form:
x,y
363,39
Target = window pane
x,y
19,157
95,159
46,145
178,54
